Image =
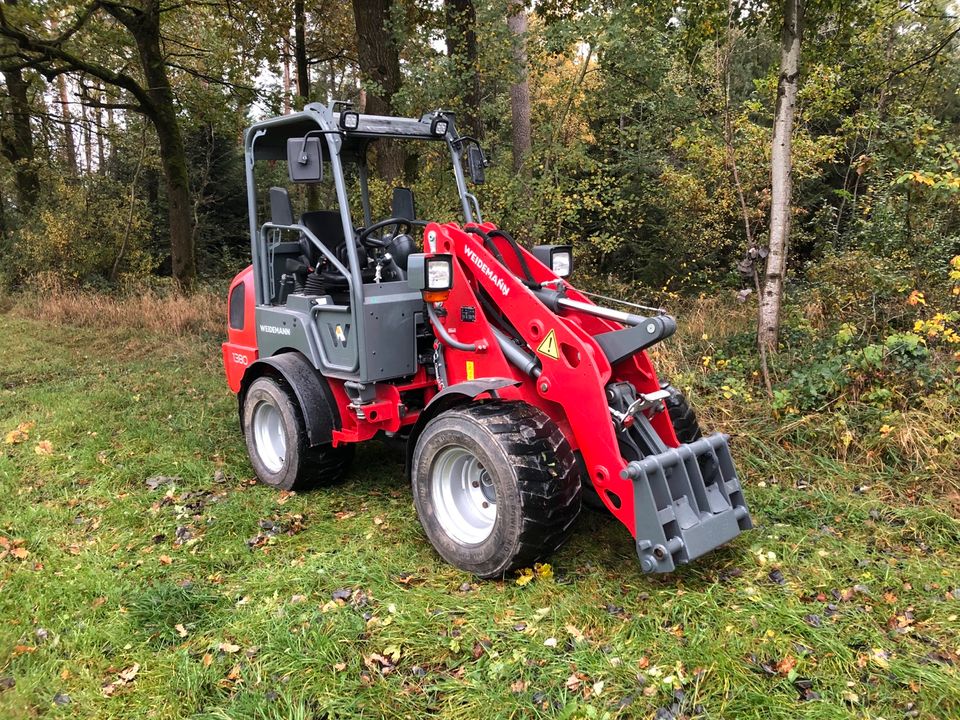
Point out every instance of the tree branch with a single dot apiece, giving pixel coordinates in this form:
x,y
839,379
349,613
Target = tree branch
x,y
31,44
929,56
210,78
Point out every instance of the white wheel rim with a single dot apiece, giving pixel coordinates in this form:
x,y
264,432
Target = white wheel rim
x,y
464,498
268,435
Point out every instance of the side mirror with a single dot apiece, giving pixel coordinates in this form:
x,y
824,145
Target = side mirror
x,y
304,159
476,163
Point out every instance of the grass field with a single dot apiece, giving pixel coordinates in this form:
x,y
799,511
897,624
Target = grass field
x,y
144,574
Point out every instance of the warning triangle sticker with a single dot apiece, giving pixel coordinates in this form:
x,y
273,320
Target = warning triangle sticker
x,y
549,346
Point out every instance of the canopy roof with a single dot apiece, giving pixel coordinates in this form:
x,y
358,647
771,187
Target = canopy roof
x,y
269,137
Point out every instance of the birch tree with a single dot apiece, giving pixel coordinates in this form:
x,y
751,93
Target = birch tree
x,y
781,176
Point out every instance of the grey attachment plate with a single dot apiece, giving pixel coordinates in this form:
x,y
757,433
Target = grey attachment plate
x,y
687,502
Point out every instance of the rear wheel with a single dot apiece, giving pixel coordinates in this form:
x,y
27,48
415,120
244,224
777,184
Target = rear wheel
x,y
277,440
495,486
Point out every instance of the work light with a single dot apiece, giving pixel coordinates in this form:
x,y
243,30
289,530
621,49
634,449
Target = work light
x,y
439,125
431,274
439,273
349,120
559,258
560,263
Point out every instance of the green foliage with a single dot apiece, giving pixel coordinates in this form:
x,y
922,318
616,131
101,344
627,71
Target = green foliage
x,y
89,231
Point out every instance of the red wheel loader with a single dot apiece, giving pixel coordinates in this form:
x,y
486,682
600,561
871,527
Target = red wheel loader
x,y
516,394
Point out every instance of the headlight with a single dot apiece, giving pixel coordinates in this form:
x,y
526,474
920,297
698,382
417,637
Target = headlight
x,y
431,274
560,263
439,273
559,258
349,120
439,126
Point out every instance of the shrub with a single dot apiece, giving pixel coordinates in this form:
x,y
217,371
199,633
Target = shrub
x,y
89,231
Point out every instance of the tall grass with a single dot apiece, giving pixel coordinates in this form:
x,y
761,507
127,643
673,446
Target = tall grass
x,y
163,311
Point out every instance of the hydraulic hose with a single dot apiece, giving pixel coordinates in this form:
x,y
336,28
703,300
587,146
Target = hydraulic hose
x,y
487,243
516,248
445,337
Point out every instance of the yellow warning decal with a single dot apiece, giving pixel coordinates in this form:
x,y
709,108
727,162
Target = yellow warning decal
x,y
470,370
549,346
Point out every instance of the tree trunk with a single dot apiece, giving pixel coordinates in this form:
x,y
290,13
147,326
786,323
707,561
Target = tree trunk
x,y
101,150
87,130
379,60
69,146
300,54
173,157
781,180
461,36
520,90
18,147
286,76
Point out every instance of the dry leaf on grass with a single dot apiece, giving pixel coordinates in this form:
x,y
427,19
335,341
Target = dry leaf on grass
x,y
124,677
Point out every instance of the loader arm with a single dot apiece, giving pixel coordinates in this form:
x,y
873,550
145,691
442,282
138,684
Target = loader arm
x,y
684,500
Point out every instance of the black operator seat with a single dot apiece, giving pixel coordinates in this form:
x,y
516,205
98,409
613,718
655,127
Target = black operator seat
x,y
328,227
402,204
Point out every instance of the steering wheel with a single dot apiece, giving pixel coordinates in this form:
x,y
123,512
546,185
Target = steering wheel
x,y
366,240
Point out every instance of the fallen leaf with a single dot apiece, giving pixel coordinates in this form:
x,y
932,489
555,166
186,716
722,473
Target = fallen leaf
x,y
543,571
21,553
44,447
130,673
574,632
207,659
550,642
519,686
340,666
165,560
228,647
598,687
573,682
879,658
98,602
525,576
786,665
15,437
181,630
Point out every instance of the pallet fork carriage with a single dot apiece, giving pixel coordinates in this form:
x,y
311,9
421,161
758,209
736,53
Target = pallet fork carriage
x,y
516,394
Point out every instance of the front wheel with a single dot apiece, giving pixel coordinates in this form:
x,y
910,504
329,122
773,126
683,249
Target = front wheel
x,y
495,486
277,442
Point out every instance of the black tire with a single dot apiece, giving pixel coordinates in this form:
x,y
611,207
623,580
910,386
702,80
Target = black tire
x,y
684,420
685,425
287,462
526,460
